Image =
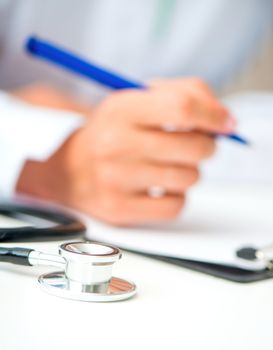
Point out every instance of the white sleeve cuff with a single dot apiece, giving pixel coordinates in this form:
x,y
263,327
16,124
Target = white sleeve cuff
x,y
29,132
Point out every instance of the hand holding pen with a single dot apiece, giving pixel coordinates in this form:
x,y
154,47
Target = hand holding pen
x,y
121,167
77,65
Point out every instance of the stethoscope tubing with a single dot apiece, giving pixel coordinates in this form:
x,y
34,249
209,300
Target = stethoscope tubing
x,y
66,225
15,255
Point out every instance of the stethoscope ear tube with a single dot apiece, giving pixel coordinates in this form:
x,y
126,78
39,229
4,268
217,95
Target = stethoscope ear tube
x,y
18,256
63,225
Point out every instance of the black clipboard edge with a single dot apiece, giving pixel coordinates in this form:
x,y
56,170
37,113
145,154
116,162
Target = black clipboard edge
x,y
230,273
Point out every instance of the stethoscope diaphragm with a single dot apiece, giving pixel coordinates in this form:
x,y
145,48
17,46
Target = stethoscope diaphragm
x,y
56,283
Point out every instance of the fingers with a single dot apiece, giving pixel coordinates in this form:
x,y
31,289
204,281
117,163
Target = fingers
x,y
172,179
147,108
144,209
202,110
186,111
187,148
138,178
193,86
140,209
206,117
127,202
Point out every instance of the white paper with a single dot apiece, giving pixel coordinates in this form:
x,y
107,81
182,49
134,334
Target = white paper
x,y
237,163
217,222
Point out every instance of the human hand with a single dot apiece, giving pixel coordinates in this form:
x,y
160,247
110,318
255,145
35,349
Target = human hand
x,y
107,168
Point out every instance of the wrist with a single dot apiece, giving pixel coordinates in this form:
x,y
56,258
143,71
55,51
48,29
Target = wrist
x,y
33,179
51,179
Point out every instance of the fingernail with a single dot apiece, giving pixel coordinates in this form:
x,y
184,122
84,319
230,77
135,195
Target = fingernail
x,y
231,124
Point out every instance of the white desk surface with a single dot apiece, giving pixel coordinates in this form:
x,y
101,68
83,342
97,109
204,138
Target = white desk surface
x,y
174,309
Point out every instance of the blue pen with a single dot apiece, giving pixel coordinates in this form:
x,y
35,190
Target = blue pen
x,y
73,63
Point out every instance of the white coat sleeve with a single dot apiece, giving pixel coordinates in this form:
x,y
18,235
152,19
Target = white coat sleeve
x,y
29,132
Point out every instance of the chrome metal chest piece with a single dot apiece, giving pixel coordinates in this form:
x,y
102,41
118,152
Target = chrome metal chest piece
x,y
87,273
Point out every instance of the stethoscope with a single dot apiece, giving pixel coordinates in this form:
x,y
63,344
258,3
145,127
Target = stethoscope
x,y
85,267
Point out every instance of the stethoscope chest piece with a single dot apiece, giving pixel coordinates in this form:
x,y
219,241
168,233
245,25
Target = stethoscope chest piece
x,y
87,274
56,283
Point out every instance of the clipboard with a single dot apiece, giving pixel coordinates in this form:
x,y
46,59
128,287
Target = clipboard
x,y
226,232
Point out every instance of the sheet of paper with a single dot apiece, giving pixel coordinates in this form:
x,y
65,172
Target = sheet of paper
x,y
217,222
233,162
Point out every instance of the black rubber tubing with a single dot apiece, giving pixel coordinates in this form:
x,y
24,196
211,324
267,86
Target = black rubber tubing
x,y
18,256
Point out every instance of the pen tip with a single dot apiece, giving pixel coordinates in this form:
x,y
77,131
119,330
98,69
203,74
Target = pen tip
x,y
239,139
